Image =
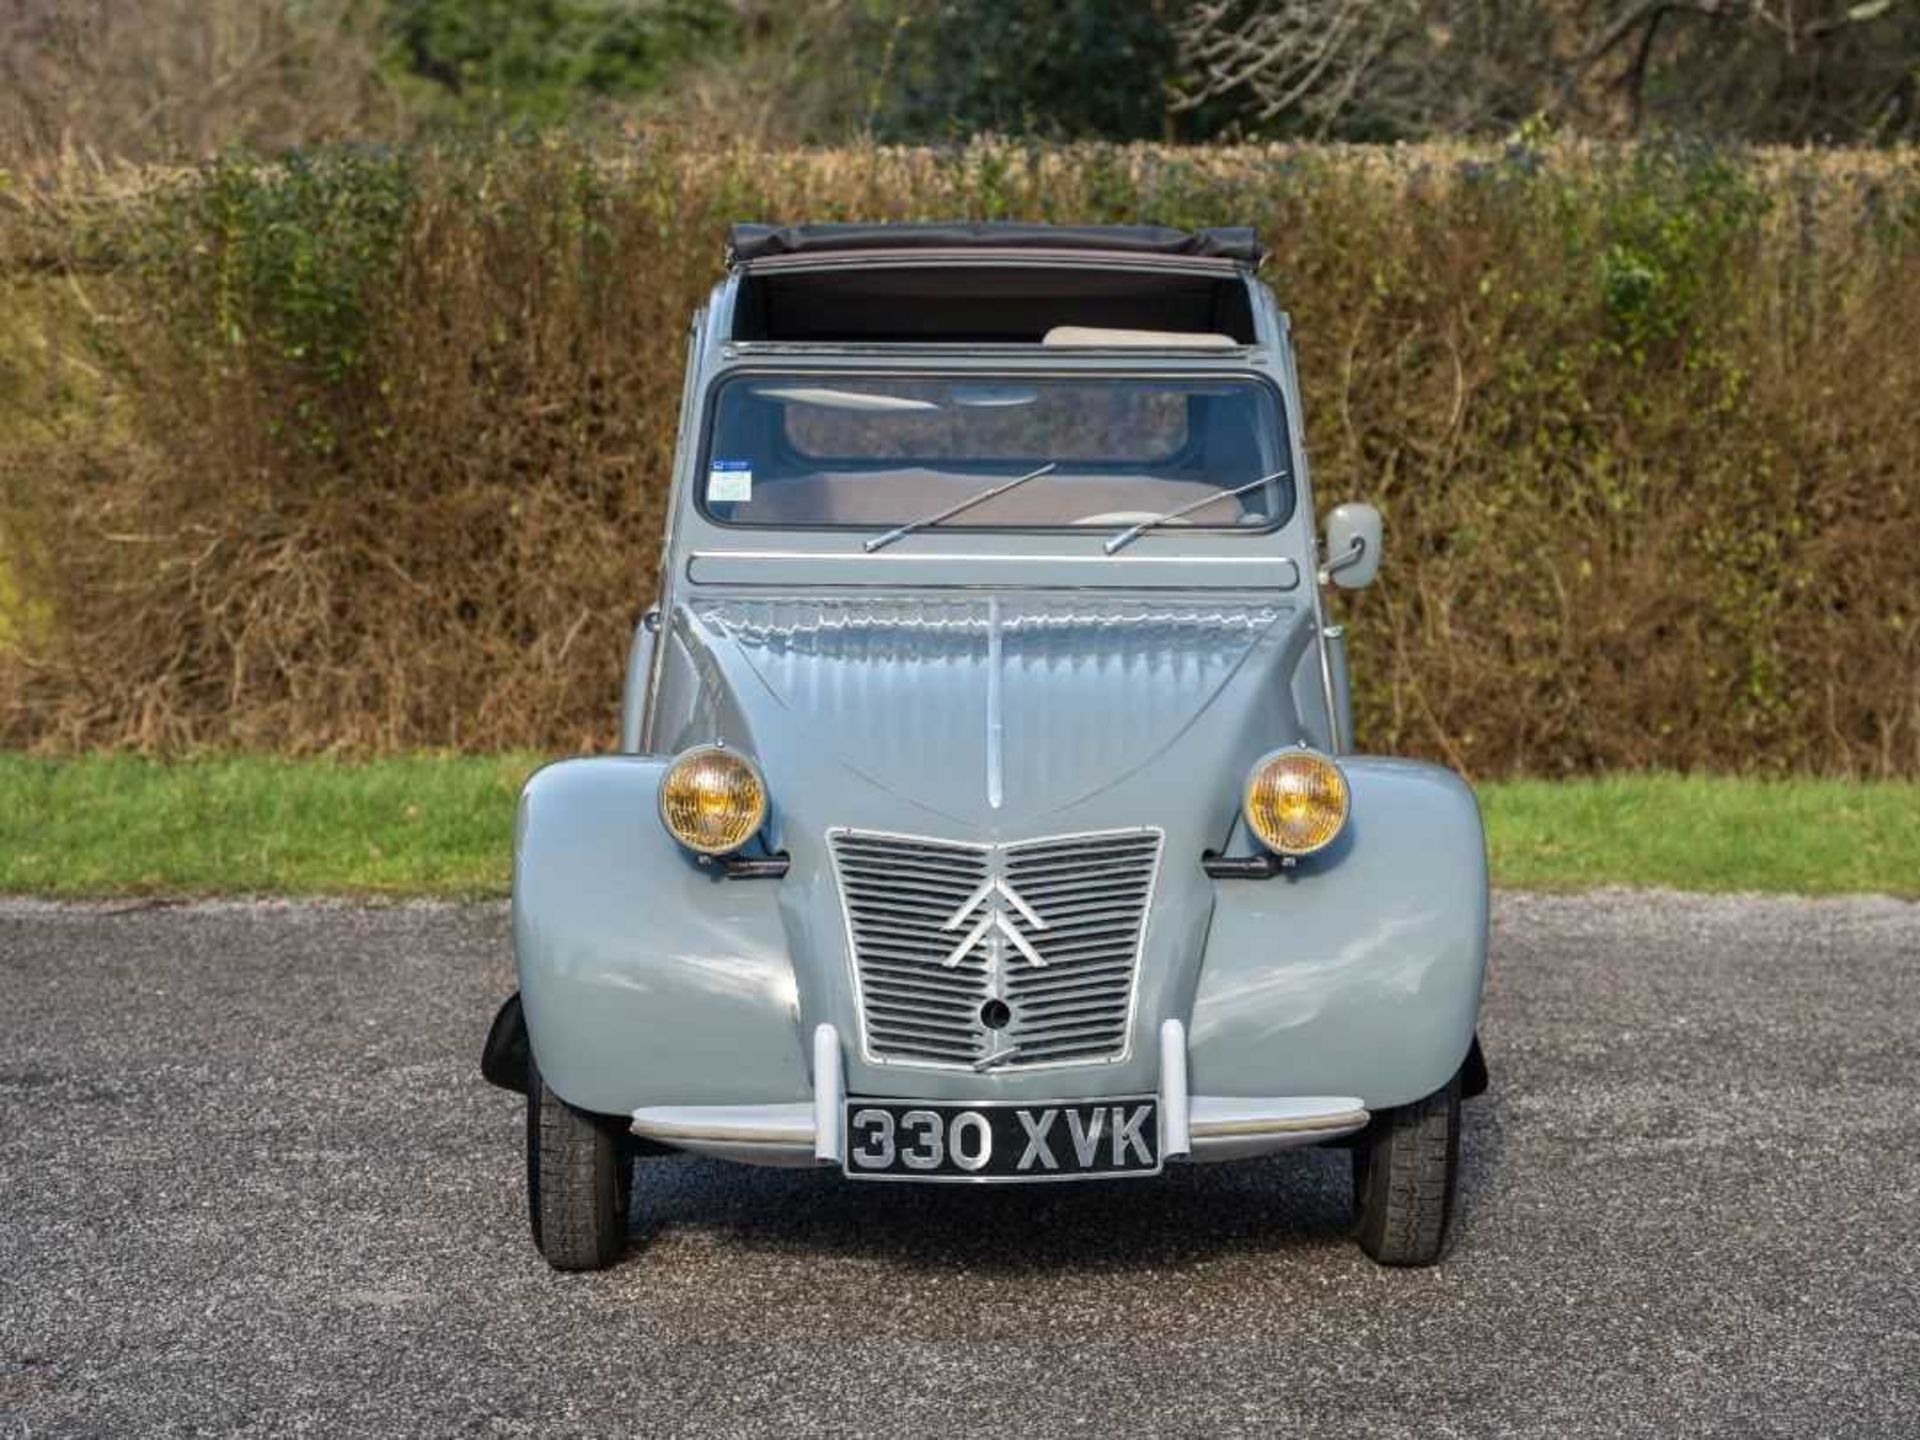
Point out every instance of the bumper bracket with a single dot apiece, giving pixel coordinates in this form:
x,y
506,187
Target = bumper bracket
x,y
1193,1127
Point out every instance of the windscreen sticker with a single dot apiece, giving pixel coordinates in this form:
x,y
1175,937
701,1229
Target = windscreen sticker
x,y
729,480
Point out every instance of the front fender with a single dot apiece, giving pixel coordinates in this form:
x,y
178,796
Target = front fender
x,y
1358,972
642,971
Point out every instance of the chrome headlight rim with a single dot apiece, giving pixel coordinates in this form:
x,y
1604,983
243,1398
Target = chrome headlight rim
x,y
692,755
1312,756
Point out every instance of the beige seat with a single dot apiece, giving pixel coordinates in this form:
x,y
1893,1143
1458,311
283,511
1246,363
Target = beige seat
x,y
1071,336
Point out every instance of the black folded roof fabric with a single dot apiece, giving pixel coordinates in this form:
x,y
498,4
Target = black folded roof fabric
x,y
757,242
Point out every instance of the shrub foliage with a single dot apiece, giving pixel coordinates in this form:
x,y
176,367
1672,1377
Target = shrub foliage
x,y
367,451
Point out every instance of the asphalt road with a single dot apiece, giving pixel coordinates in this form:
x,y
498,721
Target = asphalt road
x,y
253,1182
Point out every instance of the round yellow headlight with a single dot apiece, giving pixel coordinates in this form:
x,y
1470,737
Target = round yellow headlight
x,y
1296,801
712,800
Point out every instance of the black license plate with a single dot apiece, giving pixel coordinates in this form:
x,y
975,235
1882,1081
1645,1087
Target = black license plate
x,y
936,1140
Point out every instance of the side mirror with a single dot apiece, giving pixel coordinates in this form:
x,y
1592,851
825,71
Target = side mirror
x,y
1353,546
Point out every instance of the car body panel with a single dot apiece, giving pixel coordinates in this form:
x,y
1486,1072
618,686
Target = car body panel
x,y
641,971
1357,972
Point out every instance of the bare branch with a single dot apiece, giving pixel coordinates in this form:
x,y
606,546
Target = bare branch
x,y
1282,56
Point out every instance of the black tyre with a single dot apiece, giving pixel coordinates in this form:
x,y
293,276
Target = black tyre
x,y
579,1180
1405,1167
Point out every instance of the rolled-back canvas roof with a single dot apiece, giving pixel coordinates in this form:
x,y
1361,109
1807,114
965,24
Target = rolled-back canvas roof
x,y
758,242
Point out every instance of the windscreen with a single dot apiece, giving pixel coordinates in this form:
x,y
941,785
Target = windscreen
x,y
874,452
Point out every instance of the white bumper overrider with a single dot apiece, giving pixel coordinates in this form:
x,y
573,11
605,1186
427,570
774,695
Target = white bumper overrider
x,y
1192,1127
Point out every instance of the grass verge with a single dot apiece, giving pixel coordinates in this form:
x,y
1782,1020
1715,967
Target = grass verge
x,y
119,825
1810,837
442,825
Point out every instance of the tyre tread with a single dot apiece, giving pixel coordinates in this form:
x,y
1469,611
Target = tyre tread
x,y
578,1182
1405,1172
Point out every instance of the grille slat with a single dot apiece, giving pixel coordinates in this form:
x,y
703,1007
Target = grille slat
x,y
905,950
908,867
1080,1025
1074,923
915,862
1093,893
1075,866
902,1022
899,921
1068,987
1117,879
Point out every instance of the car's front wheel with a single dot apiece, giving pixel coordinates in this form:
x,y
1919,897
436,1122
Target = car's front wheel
x,y
579,1181
1405,1167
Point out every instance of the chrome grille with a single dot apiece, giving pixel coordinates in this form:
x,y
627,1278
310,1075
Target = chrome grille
x,y
1051,929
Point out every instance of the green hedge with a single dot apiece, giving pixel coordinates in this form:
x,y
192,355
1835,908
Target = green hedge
x,y
366,450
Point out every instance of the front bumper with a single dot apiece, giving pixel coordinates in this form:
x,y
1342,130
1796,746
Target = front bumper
x,y
1192,1127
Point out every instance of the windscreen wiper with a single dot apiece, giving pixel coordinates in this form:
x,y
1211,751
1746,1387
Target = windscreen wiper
x,y
881,541
1133,532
